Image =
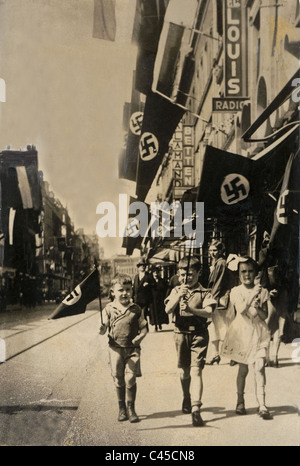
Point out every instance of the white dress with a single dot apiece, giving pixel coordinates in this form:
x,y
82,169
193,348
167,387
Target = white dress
x,y
248,337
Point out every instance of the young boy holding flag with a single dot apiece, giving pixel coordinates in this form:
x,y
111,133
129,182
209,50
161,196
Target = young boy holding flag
x,y
126,327
191,305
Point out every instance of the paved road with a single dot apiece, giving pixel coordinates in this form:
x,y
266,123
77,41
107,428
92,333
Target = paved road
x,y
57,379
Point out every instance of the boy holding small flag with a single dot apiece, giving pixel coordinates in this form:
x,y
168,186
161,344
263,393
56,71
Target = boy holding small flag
x,y
126,327
191,306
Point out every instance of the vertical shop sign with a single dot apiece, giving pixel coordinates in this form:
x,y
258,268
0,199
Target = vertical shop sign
x,y
177,157
188,156
234,48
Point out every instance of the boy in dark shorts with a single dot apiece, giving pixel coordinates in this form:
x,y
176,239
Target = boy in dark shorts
x,y
191,305
126,329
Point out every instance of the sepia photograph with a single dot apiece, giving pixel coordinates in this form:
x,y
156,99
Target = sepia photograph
x,y
149,225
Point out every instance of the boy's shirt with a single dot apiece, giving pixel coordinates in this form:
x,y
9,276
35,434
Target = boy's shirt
x,y
186,322
123,324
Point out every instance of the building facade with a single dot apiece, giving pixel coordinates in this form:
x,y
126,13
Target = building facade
x,y
42,256
233,66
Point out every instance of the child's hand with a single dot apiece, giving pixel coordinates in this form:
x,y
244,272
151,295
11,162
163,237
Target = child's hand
x,y
136,341
102,329
183,291
256,302
273,293
183,305
252,312
257,289
254,297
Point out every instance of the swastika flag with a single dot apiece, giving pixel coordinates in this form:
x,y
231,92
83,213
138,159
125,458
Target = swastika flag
x,y
134,229
160,120
226,183
287,201
132,125
76,302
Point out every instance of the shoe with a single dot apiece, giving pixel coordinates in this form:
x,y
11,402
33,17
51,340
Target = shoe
x,y
232,363
197,419
122,414
273,362
131,412
240,409
160,327
264,413
186,406
216,359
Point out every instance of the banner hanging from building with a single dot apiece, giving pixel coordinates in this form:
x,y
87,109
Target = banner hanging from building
x,y
132,126
171,77
151,21
226,182
160,120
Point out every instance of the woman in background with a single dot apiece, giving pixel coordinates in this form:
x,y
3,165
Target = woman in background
x,y
220,282
158,316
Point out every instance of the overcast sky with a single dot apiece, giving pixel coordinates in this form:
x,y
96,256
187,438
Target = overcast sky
x,y
65,92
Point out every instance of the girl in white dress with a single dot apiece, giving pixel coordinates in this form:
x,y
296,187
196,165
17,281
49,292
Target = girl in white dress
x,y
248,336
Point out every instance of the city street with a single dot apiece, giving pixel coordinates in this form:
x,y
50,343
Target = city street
x,y
56,389
158,140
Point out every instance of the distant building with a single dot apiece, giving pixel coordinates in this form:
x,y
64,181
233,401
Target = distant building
x,y
56,254
117,264
20,224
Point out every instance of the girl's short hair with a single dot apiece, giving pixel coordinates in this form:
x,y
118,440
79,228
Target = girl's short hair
x,y
218,245
248,260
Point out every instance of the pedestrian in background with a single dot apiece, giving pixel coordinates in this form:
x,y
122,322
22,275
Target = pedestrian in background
x,y
273,278
220,282
141,287
248,336
174,281
126,327
190,305
158,315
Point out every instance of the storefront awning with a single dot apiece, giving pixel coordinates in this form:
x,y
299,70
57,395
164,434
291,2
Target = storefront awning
x,y
165,257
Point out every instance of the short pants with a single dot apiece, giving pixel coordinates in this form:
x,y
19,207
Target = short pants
x,y
191,349
124,360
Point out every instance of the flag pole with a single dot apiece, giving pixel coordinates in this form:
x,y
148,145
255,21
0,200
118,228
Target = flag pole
x,y
100,303
189,260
